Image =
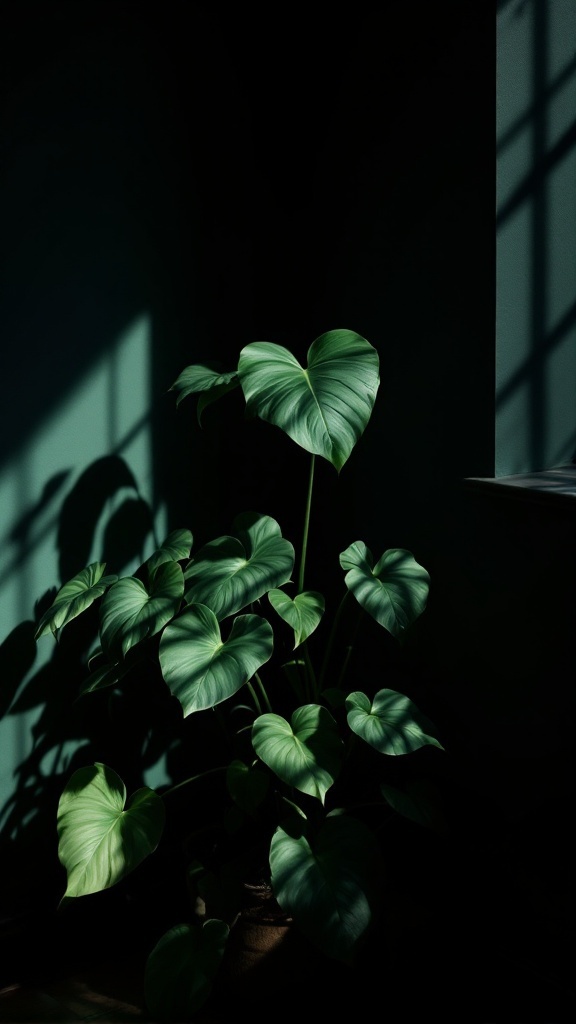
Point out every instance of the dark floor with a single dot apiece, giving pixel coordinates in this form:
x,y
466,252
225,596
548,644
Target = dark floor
x,y
111,992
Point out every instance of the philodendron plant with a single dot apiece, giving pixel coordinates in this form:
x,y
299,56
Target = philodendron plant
x,y
233,632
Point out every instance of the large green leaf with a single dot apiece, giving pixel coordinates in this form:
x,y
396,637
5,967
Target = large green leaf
x,y
101,837
325,406
181,968
230,573
391,722
331,884
303,613
75,597
305,753
394,591
131,611
200,668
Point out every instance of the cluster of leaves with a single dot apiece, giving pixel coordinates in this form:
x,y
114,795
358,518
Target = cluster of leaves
x,y
213,636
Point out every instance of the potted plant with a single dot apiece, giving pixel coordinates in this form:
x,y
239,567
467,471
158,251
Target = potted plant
x,y
297,779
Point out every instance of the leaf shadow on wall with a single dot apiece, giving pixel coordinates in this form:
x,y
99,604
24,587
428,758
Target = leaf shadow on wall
x,y
128,726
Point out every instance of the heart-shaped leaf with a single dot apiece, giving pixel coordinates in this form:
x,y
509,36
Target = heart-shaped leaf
x,y
394,592
181,968
74,598
303,613
330,885
230,573
391,722
101,837
130,611
247,786
200,668
306,754
176,547
325,406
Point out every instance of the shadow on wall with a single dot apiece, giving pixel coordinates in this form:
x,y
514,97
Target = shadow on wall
x,y
536,314
114,725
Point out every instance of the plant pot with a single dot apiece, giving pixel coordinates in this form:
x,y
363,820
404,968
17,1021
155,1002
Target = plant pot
x,y
267,965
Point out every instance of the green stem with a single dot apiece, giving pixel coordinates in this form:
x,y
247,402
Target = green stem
x,y
193,778
262,692
331,638
306,525
312,690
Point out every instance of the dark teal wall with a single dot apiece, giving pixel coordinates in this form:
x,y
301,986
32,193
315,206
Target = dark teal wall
x,y
536,236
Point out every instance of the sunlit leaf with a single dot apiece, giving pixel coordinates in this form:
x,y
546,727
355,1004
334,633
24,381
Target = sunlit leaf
x,y
391,722
200,668
325,406
231,572
394,591
305,753
175,548
303,613
75,597
101,837
181,969
330,884
130,611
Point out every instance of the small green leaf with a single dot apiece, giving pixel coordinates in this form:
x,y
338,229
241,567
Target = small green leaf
x,y
130,611
306,754
232,572
101,837
207,381
325,406
419,802
103,674
200,668
394,592
303,613
330,884
181,969
74,598
391,723
177,546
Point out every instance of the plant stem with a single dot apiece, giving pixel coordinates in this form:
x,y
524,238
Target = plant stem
x,y
312,690
193,778
255,695
306,525
331,638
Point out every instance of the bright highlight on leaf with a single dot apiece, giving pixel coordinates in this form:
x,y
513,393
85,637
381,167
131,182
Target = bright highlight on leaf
x,y
391,722
325,406
75,597
303,613
306,754
101,837
394,591
200,668
232,572
131,612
